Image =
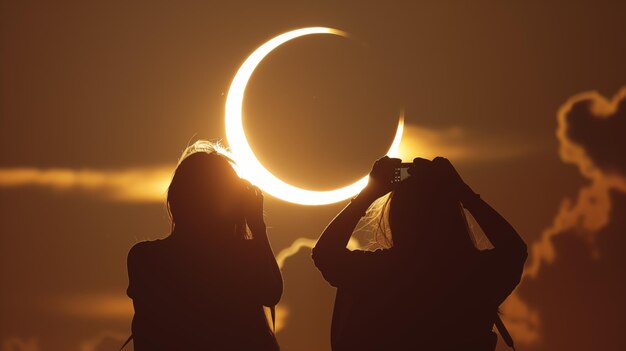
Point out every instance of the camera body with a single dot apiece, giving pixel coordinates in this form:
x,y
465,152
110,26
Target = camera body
x,y
402,172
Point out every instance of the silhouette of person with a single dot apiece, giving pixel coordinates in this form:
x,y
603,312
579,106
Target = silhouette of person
x,y
204,286
429,287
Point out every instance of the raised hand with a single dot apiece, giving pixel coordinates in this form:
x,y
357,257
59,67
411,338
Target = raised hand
x,y
451,179
381,177
253,206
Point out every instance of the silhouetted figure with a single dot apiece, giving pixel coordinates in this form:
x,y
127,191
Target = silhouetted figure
x,y
430,288
204,286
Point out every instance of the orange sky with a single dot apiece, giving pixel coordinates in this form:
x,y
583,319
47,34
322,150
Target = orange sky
x,y
99,99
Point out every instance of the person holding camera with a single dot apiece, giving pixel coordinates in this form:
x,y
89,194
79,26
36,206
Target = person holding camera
x,y
204,286
429,287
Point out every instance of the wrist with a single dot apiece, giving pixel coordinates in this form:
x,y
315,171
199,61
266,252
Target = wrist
x,y
364,198
361,203
370,193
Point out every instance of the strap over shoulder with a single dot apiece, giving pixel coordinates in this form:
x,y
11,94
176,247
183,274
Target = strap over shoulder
x,y
504,332
126,342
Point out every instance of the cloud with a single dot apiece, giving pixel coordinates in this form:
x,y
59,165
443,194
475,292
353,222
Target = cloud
x,y
521,320
149,184
120,307
306,243
104,340
597,126
282,312
590,132
130,185
115,306
293,249
19,344
456,144
582,120
96,306
595,159
580,295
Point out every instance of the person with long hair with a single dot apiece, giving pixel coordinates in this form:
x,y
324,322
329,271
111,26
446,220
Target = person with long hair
x,y
203,287
429,287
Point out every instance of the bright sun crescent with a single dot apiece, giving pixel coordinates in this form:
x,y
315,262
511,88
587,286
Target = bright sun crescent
x,y
248,166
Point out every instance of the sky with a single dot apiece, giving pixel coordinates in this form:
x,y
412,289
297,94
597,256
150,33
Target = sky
x,y
99,99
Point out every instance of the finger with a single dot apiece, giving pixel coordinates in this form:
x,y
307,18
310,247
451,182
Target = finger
x,y
422,162
441,162
388,162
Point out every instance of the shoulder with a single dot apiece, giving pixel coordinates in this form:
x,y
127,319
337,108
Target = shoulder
x,y
143,249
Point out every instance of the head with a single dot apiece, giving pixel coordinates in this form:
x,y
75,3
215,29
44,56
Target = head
x,y
205,192
421,216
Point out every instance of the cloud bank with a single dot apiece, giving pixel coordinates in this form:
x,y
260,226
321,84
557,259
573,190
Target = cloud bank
x,y
590,132
129,185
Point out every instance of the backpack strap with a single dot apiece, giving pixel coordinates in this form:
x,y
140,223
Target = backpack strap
x,y
126,342
504,332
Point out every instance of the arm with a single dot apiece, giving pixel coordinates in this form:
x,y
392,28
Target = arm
x,y
136,283
338,232
501,234
266,277
332,258
504,264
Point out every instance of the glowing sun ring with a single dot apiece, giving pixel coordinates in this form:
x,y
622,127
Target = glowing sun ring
x,y
248,166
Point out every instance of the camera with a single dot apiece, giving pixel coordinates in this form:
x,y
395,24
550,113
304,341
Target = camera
x,y
402,172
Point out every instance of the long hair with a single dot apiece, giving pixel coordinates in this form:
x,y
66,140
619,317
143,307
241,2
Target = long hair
x,y
418,212
203,181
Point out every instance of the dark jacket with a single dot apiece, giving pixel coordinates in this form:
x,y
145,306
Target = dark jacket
x,y
193,298
386,303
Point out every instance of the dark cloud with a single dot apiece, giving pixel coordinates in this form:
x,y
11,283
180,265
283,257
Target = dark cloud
x,y
586,117
588,131
584,289
599,126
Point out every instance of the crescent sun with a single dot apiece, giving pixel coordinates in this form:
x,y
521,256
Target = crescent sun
x,y
248,166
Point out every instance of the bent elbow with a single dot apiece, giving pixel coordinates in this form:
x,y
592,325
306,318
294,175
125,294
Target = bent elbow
x,y
320,258
272,297
517,250
520,260
315,254
522,253
322,261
